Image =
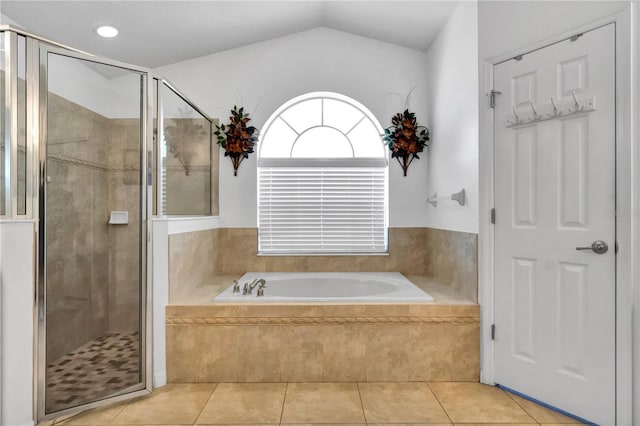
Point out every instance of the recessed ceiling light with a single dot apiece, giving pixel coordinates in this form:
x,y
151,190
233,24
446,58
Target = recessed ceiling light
x,y
106,31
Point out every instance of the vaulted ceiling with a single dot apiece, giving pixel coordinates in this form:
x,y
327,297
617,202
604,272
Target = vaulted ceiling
x,y
156,33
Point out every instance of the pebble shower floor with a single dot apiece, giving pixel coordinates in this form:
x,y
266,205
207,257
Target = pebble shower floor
x,y
97,369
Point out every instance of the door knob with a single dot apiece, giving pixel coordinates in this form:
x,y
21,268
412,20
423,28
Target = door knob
x,y
598,246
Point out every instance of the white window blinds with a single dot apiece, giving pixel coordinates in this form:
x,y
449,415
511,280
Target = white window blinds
x,y
320,210
322,179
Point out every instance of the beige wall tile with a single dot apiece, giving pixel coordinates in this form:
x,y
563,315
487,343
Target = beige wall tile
x,y
258,356
297,345
388,348
446,352
322,403
447,257
192,263
244,403
240,246
344,354
302,352
201,354
452,258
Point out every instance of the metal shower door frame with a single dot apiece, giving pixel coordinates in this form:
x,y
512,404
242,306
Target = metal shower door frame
x,y
38,52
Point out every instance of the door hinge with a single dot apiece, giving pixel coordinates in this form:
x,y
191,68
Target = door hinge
x,y
492,97
493,216
493,332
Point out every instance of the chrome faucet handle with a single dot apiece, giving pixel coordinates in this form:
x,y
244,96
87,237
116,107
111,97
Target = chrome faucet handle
x,y
261,291
236,286
245,289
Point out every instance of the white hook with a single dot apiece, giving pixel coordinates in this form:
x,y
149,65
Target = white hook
x,y
577,105
518,120
535,113
555,109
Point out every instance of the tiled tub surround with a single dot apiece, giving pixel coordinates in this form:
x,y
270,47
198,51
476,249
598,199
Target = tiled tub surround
x,y
446,257
322,343
208,342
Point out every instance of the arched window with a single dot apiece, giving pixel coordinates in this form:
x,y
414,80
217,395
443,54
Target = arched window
x,y
322,179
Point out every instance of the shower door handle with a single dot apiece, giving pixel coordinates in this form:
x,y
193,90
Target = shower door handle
x,y
598,247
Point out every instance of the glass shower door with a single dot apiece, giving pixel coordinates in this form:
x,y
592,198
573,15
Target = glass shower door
x,y
92,228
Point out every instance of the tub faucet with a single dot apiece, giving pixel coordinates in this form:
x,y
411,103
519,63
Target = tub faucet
x,y
248,288
261,286
236,286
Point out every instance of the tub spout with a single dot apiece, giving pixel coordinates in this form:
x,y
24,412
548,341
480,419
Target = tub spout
x,y
248,288
260,283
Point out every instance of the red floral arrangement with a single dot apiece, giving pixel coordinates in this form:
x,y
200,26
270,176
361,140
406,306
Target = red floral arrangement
x,y
237,138
405,138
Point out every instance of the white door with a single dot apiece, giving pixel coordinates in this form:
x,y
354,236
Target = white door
x,y
554,192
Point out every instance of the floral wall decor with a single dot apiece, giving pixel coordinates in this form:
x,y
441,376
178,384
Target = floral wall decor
x,y
236,137
405,138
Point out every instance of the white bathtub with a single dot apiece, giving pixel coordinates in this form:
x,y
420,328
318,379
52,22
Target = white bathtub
x,y
366,287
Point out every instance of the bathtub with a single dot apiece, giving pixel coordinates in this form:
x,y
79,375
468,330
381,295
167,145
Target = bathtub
x,y
345,287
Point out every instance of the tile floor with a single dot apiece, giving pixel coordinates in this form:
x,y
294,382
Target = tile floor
x,y
414,403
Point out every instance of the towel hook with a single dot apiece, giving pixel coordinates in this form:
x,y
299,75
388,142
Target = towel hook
x,y
576,104
556,111
459,196
515,114
535,113
433,200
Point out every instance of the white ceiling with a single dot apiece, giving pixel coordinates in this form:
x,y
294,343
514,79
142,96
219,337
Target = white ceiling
x,y
156,33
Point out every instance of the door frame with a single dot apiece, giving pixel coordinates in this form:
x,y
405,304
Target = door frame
x,y
37,109
627,235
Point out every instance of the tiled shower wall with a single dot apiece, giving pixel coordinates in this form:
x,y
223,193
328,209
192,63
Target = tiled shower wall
x,y
448,257
124,195
93,168
77,280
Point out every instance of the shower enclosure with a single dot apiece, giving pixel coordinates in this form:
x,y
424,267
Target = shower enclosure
x,y
79,154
